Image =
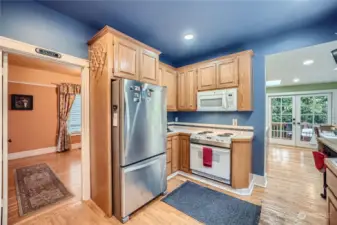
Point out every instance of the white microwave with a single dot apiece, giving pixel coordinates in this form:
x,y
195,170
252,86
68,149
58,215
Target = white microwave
x,y
218,100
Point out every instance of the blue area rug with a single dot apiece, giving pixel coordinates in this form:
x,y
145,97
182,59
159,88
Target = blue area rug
x,y
212,207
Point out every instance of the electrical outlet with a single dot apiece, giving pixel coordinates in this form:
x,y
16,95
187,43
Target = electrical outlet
x,y
235,122
176,119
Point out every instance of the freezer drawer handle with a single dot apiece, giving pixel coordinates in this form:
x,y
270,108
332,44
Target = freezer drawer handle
x,y
133,168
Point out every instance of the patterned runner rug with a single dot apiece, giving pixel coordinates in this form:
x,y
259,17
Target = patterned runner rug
x,y
37,186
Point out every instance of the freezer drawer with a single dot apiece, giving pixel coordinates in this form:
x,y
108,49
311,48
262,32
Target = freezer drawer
x,y
142,182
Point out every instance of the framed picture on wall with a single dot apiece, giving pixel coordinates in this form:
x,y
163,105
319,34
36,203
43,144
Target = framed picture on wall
x,y
22,102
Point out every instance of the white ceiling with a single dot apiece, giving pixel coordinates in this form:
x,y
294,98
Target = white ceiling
x,y
287,66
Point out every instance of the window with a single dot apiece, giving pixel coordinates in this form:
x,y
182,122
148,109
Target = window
x,y
74,120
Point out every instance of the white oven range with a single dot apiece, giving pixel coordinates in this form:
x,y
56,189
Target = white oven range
x,y
220,143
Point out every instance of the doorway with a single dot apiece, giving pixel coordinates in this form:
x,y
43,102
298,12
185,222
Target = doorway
x,y
10,46
292,118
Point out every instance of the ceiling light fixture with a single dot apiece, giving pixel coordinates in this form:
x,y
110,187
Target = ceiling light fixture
x,y
271,83
308,62
189,36
296,80
335,68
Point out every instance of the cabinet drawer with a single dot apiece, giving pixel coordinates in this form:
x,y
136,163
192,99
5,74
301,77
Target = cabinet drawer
x,y
168,155
168,169
169,143
331,181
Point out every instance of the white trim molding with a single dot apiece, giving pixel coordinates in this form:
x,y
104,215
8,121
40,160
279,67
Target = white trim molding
x,y
30,153
22,48
260,181
39,151
257,180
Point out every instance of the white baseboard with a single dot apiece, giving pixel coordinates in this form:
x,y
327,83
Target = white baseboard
x,y
244,191
76,146
29,153
260,181
35,152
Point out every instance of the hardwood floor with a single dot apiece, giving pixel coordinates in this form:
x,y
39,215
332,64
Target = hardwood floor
x,y
292,197
67,166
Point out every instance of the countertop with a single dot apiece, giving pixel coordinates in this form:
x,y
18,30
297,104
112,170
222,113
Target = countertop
x,y
330,142
331,165
241,135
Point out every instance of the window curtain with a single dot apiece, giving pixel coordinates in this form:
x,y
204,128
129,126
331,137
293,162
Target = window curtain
x,y
66,96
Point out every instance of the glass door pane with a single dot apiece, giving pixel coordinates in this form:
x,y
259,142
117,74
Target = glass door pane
x,y
281,120
312,111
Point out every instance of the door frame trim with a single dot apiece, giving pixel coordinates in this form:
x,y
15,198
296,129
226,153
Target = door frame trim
x,y
8,45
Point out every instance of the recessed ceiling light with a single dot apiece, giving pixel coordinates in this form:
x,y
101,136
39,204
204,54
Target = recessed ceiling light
x,y
271,83
189,36
308,62
296,80
335,68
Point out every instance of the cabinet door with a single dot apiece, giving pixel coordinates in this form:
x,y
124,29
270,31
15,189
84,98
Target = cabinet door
x,y
181,91
149,67
245,89
169,80
227,73
207,77
191,89
126,55
175,154
332,208
185,154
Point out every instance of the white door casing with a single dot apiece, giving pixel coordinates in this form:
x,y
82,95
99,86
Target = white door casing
x,y
12,46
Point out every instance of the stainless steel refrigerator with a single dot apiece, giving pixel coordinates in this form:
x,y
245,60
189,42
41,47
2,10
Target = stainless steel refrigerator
x,y
139,121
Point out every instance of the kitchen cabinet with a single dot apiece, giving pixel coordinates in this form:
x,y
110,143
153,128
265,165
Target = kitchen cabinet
x,y
332,208
149,66
241,163
227,73
169,156
207,76
187,89
126,59
122,57
175,154
191,89
245,87
182,104
168,78
185,153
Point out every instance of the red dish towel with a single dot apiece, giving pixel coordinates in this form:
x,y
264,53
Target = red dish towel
x,y
207,156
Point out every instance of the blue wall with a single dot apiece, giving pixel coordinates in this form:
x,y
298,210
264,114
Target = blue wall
x,y
315,34
36,24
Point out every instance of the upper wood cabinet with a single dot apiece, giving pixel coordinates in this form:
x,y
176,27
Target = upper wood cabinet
x,y
126,58
245,87
207,77
227,73
182,103
149,66
187,89
168,78
191,89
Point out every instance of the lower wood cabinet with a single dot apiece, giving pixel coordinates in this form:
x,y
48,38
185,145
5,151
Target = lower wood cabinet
x,y
178,154
168,168
175,154
185,153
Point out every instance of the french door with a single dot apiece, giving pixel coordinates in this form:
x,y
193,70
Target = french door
x,y
292,118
